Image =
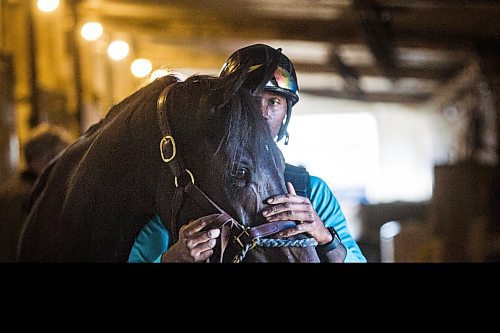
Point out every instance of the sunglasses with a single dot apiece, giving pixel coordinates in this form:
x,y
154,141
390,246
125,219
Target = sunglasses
x,y
282,77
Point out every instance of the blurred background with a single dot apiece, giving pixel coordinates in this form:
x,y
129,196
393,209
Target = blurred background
x,y
399,100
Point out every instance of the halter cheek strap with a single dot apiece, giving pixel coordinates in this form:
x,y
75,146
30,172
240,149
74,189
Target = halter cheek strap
x,y
168,151
283,132
168,147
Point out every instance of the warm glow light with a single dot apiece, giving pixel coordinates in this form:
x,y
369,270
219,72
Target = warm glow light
x,y
118,50
158,73
91,31
141,67
47,5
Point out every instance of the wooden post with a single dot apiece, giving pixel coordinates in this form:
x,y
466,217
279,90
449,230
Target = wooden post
x,y
34,115
9,157
489,62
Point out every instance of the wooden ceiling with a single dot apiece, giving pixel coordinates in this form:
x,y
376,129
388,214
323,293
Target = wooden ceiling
x,y
383,50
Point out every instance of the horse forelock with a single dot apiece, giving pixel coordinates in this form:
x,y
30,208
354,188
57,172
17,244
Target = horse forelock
x,y
246,132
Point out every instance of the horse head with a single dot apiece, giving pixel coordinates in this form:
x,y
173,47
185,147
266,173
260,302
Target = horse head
x,y
228,151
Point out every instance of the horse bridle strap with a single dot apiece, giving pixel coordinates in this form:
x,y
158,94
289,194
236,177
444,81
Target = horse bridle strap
x,y
168,148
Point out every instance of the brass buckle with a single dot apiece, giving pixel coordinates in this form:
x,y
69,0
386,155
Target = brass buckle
x,y
174,149
241,242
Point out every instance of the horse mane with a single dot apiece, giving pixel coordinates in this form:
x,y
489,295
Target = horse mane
x,y
133,102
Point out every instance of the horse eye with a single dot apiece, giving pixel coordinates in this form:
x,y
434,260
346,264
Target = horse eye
x,y
241,173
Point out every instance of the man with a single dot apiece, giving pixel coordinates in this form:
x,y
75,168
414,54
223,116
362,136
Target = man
x,y
313,204
43,145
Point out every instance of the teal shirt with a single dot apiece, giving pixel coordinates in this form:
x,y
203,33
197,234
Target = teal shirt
x,y
153,239
328,209
151,242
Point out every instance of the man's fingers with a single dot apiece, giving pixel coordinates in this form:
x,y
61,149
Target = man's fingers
x,y
278,208
199,251
202,236
289,187
286,215
300,228
293,211
286,197
197,225
205,255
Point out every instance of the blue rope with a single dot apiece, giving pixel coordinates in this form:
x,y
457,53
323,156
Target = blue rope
x,y
271,242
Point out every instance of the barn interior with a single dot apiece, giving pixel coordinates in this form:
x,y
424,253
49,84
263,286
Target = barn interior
x,y
399,106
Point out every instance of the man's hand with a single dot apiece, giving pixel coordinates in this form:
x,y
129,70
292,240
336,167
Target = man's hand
x,y
290,206
193,245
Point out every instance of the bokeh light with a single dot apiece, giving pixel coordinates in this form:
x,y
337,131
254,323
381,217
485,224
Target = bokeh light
x,y
91,31
118,50
47,5
141,67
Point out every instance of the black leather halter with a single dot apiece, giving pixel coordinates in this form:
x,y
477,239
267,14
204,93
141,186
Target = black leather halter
x,y
225,222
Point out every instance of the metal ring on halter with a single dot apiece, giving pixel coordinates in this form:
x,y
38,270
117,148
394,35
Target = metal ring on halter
x,y
190,175
174,149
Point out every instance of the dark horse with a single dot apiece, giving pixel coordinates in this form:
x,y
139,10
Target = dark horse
x,y
93,200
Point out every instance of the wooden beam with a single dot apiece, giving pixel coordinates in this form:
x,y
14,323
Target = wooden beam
x,y
440,4
438,74
205,55
224,18
462,81
209,55
377,29
247,28
369,97
348,73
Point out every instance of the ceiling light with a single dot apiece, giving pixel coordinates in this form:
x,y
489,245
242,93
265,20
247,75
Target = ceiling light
x,y
47,5
91,31
141,67
118,50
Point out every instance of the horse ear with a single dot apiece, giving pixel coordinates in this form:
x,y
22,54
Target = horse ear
x,y
231,84
252,77
264,74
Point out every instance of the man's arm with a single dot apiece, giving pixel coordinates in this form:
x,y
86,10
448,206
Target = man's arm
x,y
151,242
328,208
194,244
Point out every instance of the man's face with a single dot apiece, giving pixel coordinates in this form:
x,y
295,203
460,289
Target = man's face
x,y
273,109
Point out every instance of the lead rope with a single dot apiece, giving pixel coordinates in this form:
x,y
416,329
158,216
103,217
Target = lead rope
x,y
271,242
